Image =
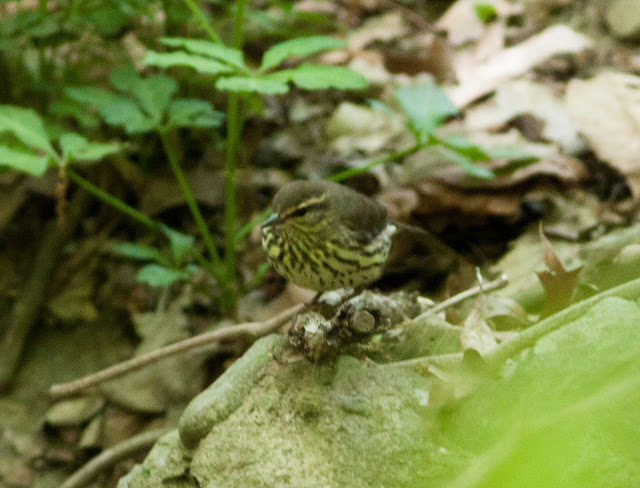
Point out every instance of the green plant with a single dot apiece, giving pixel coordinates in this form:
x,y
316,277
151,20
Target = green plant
x,y
426,107
232,75
161,271
141,105
26,146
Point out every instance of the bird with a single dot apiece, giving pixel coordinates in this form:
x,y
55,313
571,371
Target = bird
x,y
325,236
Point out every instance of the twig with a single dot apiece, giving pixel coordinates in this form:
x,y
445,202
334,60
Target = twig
x,y
26,308
248,329
106,458
527,338
460,297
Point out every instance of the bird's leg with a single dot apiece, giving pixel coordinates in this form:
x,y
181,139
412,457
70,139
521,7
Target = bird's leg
x,y
315,299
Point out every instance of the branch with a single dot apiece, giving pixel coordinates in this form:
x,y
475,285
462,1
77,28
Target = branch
x,y
106,458
251,330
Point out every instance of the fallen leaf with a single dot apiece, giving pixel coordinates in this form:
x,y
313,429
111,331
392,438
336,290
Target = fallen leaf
x,y
606,110
477,80
384,27
527,97
355,127
476,334
461,21
559,283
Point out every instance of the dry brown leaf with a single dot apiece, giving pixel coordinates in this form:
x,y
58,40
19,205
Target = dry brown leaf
x,y
527,97
477,80
559,283
353,127
437,198
462,24
381,28
606,109
476,334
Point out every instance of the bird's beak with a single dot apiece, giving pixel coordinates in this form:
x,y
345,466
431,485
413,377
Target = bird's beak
x,y
274,218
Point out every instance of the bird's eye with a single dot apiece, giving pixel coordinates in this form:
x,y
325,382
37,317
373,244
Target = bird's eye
x,y
300,212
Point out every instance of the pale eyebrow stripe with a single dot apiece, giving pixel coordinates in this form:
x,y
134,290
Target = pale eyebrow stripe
x,y
307,203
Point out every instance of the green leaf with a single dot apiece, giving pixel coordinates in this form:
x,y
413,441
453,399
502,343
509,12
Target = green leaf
x,y
465,163
194,113
71,108
77,148
27,126
298,47
89,95
155,275
486,12
463,145
126,113
124,77
213,50
139,252
319,77
25,162
426,106
153,93
180,243
511,154
266,85
180,58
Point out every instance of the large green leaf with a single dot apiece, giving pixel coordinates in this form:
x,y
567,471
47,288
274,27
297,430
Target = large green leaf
x,y
565,414
180,58
70,108
213,50
298,47
426,106
126,113
181,244
27,126
320,77
90,95
77,148
152,93
25,162
467,164
266,84
123,77
194,113
139,252
155,275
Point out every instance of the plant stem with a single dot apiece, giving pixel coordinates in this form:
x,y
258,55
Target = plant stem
x,y
191,201
348,173
234,130
204,23
111,200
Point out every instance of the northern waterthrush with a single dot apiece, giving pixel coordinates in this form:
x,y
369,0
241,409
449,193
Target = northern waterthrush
x,y
325,236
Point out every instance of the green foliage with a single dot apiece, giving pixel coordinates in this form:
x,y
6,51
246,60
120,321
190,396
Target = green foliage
x,y
77,148
566,414
231,57
320,77
161,271
27,126
156,275
265,85
302,47
486,12
145,104
234,76
27,140
138,252
426,107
